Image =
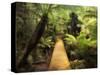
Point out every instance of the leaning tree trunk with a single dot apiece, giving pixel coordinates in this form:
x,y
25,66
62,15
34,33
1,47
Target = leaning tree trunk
x,y
34,39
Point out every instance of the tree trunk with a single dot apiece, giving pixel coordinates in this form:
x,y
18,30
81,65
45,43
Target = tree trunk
x,y
34,39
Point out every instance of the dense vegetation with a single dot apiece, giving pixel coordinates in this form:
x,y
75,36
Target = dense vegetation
x,y
79,34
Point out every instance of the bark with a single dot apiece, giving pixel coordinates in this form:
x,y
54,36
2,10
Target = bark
x,y
34,39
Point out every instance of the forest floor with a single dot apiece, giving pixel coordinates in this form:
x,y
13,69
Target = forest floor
x,y
59,59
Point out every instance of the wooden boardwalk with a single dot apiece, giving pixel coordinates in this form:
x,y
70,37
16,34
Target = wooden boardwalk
x,y
59,59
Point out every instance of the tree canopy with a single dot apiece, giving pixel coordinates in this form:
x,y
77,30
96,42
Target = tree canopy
x,y
81,49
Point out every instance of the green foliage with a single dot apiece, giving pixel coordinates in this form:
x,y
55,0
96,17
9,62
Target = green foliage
x,y
84,45
84,49
70,39
46,42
